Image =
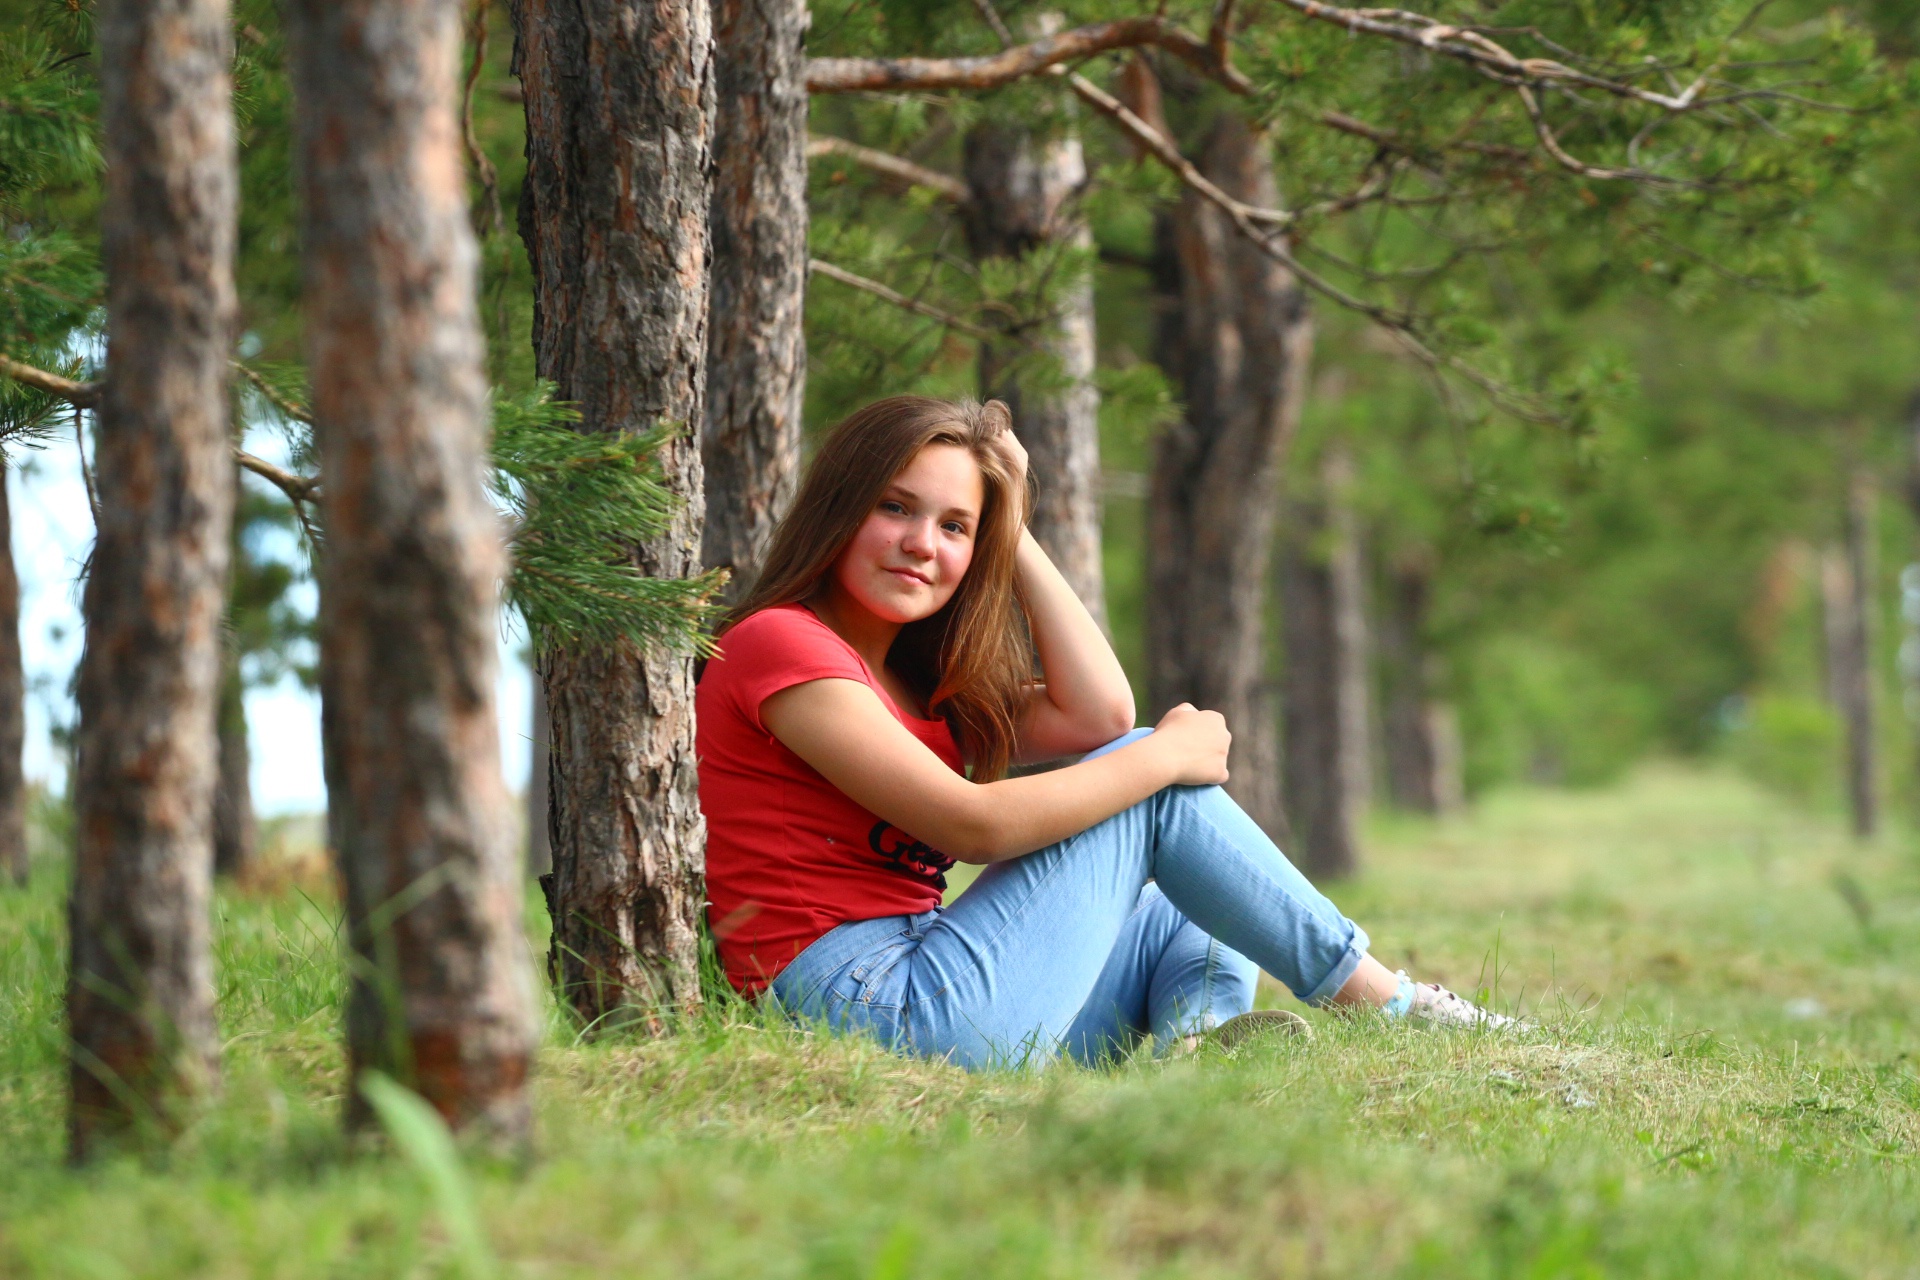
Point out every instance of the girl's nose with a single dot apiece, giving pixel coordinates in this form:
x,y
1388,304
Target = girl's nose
x,y
918,540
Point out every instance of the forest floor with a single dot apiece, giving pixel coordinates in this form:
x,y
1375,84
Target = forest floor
x,y
1726,1082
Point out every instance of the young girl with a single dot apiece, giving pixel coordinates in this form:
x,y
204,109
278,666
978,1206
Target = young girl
x,y
855,729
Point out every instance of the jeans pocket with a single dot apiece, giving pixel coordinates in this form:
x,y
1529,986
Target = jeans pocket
x,y
871,974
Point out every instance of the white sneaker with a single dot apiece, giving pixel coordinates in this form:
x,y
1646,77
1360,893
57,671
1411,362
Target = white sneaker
x,y
1434,1003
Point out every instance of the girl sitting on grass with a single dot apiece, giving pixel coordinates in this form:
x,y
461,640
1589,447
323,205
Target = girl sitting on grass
x,y
855,729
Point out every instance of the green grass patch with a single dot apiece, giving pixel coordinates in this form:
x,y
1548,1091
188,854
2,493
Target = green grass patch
x,y
1725,1083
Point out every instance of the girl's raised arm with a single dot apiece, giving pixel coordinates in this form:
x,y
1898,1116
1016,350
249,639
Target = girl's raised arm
x,y
1084,700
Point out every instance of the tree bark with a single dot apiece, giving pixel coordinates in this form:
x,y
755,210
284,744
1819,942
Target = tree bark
x,y
1024,193
1346,565
756,353
619,100
539,843
13,706
1423,755
1846,582
1319,802
441,997
236,833
1412,755
1236,335
140,984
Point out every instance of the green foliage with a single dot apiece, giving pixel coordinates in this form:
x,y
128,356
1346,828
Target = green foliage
x,y
268,635
46,119
1791,744
578,503
1466,221
1550,714
49,278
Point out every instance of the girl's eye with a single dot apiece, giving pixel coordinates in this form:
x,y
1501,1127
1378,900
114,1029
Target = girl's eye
x,y
893,508
955,527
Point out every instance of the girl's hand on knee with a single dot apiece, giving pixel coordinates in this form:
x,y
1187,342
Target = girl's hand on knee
x,y
1196,743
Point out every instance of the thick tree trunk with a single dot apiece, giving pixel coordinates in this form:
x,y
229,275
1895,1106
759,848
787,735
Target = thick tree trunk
x,y
13,706
1325,840
619,103
1846,582
1412,754
236,833
418,814
1025,194
1423,756
140,986
1237,337
756,344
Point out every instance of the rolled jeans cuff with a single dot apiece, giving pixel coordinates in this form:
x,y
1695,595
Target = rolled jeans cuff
x,y
1342,970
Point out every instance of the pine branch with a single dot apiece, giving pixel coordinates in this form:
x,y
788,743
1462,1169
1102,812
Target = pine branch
x,y
1220,30
1262,228
1470,45
578,503
274,395
902,301
897,167
81,395
86,395
298,488
851,75
1388,140
487,218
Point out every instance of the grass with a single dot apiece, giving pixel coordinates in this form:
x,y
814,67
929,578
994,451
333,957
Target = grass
x,y
1726,1084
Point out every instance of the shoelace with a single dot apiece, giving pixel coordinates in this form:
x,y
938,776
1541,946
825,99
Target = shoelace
x,y
1446,1006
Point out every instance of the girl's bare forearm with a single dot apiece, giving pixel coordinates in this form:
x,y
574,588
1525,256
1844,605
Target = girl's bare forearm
x,y
1016,816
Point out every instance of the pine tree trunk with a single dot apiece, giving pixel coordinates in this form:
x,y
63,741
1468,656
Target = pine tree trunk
x,y
756,351
619,100
1236,336
1847,595
1407,719
1346,566
1025,194
13,706
441,997
539,843
140,985
1319,804
236,833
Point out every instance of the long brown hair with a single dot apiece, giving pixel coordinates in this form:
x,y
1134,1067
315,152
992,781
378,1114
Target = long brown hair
x,y
973,659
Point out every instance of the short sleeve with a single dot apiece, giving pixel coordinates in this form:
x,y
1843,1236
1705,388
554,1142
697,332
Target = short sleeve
x,y
776,649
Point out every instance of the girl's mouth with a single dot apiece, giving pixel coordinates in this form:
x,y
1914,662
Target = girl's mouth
x,y
912,576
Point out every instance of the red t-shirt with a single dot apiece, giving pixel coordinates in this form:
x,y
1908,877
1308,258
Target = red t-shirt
x,y
789,855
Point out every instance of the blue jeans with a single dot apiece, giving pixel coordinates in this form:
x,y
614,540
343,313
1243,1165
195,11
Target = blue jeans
x,y
1069,948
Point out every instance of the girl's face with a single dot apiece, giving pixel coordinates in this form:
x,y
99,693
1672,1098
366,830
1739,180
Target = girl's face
x,y
908,556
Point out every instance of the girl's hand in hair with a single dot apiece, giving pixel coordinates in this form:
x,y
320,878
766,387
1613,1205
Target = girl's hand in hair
x,y
1196,743
1000,422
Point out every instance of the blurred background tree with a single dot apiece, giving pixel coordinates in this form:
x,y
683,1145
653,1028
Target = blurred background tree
x,y
1627,516
1497,279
